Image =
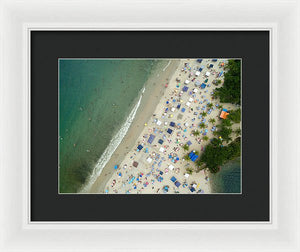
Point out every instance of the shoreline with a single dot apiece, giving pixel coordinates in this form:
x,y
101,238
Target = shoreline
x,y
217,180
154,91
152,157
160,153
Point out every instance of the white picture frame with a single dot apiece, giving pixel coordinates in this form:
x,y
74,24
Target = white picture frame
x,y
18,233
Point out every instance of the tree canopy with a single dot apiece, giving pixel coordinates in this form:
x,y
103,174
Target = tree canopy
x,y
230,92
216,154
235,115
224,130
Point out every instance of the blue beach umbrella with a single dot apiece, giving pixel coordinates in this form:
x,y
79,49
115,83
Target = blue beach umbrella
x,y
173,179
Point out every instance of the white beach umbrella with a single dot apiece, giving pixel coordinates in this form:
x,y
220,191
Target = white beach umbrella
x,y
207,74
187,82
197,73
188,104
191,99
171,167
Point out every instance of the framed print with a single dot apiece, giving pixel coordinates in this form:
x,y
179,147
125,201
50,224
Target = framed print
x,y
150,128
122,131
180,121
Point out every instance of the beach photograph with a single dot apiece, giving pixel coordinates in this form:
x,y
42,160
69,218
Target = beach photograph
x,y
149,126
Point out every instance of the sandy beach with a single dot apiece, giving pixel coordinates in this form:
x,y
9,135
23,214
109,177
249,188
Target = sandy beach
x,y
155,89
150,157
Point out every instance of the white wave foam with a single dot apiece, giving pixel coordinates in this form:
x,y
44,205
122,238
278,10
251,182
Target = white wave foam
x,y
110,149
167,65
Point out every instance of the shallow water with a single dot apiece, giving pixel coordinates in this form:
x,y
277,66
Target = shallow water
x,y
95,98
228,180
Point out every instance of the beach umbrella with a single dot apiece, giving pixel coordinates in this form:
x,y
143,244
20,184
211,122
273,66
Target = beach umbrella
x,y
116,167
177,184
192,189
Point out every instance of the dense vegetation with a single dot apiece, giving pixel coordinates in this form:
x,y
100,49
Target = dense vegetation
x,y
221,149
235,116
230,92
224,130
216,154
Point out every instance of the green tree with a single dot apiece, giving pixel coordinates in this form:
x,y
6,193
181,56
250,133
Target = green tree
x,y
202,125
225,133
199,162
238,132
226,123
189,170
215,155
187,157
216,142
186,147
217,82
196,133
205,138
235,116
231,90
203,114
212,120
215,133
210,105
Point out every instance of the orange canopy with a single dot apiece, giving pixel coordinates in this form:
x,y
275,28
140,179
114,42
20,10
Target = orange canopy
x,y
224,114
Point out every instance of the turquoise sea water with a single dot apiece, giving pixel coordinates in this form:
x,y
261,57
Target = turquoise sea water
x,y
228,179
95,98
